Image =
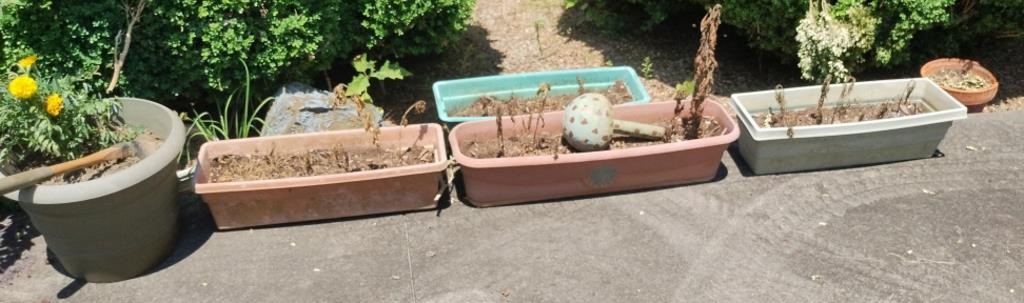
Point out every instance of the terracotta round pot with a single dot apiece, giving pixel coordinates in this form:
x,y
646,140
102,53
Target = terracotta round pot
x,y
121,225
976,99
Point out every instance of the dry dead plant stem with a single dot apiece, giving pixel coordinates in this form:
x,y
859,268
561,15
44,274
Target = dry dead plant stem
x,y
133,14
901,103
704,76
501,137
417,108
555,145
581,89
543,91
847,88
905,98
780,98
818,118
348,162
844,100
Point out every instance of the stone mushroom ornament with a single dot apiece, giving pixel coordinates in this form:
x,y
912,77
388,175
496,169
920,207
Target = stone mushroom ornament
x,y
587,124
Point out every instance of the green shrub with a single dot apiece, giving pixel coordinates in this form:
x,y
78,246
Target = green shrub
x,y
188,47
897,29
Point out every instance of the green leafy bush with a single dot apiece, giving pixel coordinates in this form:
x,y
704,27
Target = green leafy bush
x,y
893,30
188,47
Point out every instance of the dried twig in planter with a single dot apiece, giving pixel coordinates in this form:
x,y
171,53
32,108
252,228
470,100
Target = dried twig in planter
x,y
501,137
844,103
818,118
555,145
579,81
543,91
769,119
904,101
780,97
417,108
677,117
847,88
338,95
704,76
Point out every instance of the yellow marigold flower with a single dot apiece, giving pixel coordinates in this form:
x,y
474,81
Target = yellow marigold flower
x,y
54,103
22,87
27,61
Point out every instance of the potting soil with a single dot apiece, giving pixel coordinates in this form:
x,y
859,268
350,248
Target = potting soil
x,y
488,106
315,162
518,141
844,113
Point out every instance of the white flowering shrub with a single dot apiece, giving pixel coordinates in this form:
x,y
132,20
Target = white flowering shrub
x,y
831,46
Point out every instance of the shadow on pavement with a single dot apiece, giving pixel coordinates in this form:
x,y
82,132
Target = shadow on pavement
x,y
195,226
16,234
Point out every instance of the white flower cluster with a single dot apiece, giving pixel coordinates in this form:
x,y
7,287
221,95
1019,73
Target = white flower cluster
x,y
828,46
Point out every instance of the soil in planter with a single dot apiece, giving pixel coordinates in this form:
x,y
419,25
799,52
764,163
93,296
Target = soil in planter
x,y
315,162
488,106
958,79
146,140
844,113
521,142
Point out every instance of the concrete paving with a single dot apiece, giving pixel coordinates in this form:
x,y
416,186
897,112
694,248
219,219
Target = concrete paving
x,y
945,229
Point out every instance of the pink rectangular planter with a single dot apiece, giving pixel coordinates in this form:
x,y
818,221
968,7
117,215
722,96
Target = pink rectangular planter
x,y
264,202
500,181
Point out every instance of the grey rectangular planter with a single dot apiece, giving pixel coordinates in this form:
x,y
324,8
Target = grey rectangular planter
x,y
771,150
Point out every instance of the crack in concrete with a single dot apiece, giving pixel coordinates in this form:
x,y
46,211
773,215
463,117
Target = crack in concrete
x,y
408,257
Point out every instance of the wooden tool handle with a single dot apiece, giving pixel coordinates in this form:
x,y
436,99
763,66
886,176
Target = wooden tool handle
x,y
637,129
24,179
31,177
110,153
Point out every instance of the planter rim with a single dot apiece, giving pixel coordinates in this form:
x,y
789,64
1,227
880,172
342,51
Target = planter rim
x,y
632,152
440,162
758,133
640,96
109,184
977,69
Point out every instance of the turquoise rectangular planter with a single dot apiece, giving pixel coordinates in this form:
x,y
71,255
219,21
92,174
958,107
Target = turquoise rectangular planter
x,y
452,95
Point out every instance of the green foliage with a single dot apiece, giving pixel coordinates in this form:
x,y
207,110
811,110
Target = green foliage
x,y
412,27
367,69
647,68
1000,18
889,32
46,120
903,19
685,88
231,123
189,47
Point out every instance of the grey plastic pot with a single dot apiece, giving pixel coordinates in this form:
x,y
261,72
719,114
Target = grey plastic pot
x,y
119,226
813,147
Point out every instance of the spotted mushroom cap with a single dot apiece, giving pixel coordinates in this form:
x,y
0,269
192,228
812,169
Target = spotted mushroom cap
x,y
587,122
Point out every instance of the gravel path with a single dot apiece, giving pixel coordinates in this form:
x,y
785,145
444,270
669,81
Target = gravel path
x,y
532,35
